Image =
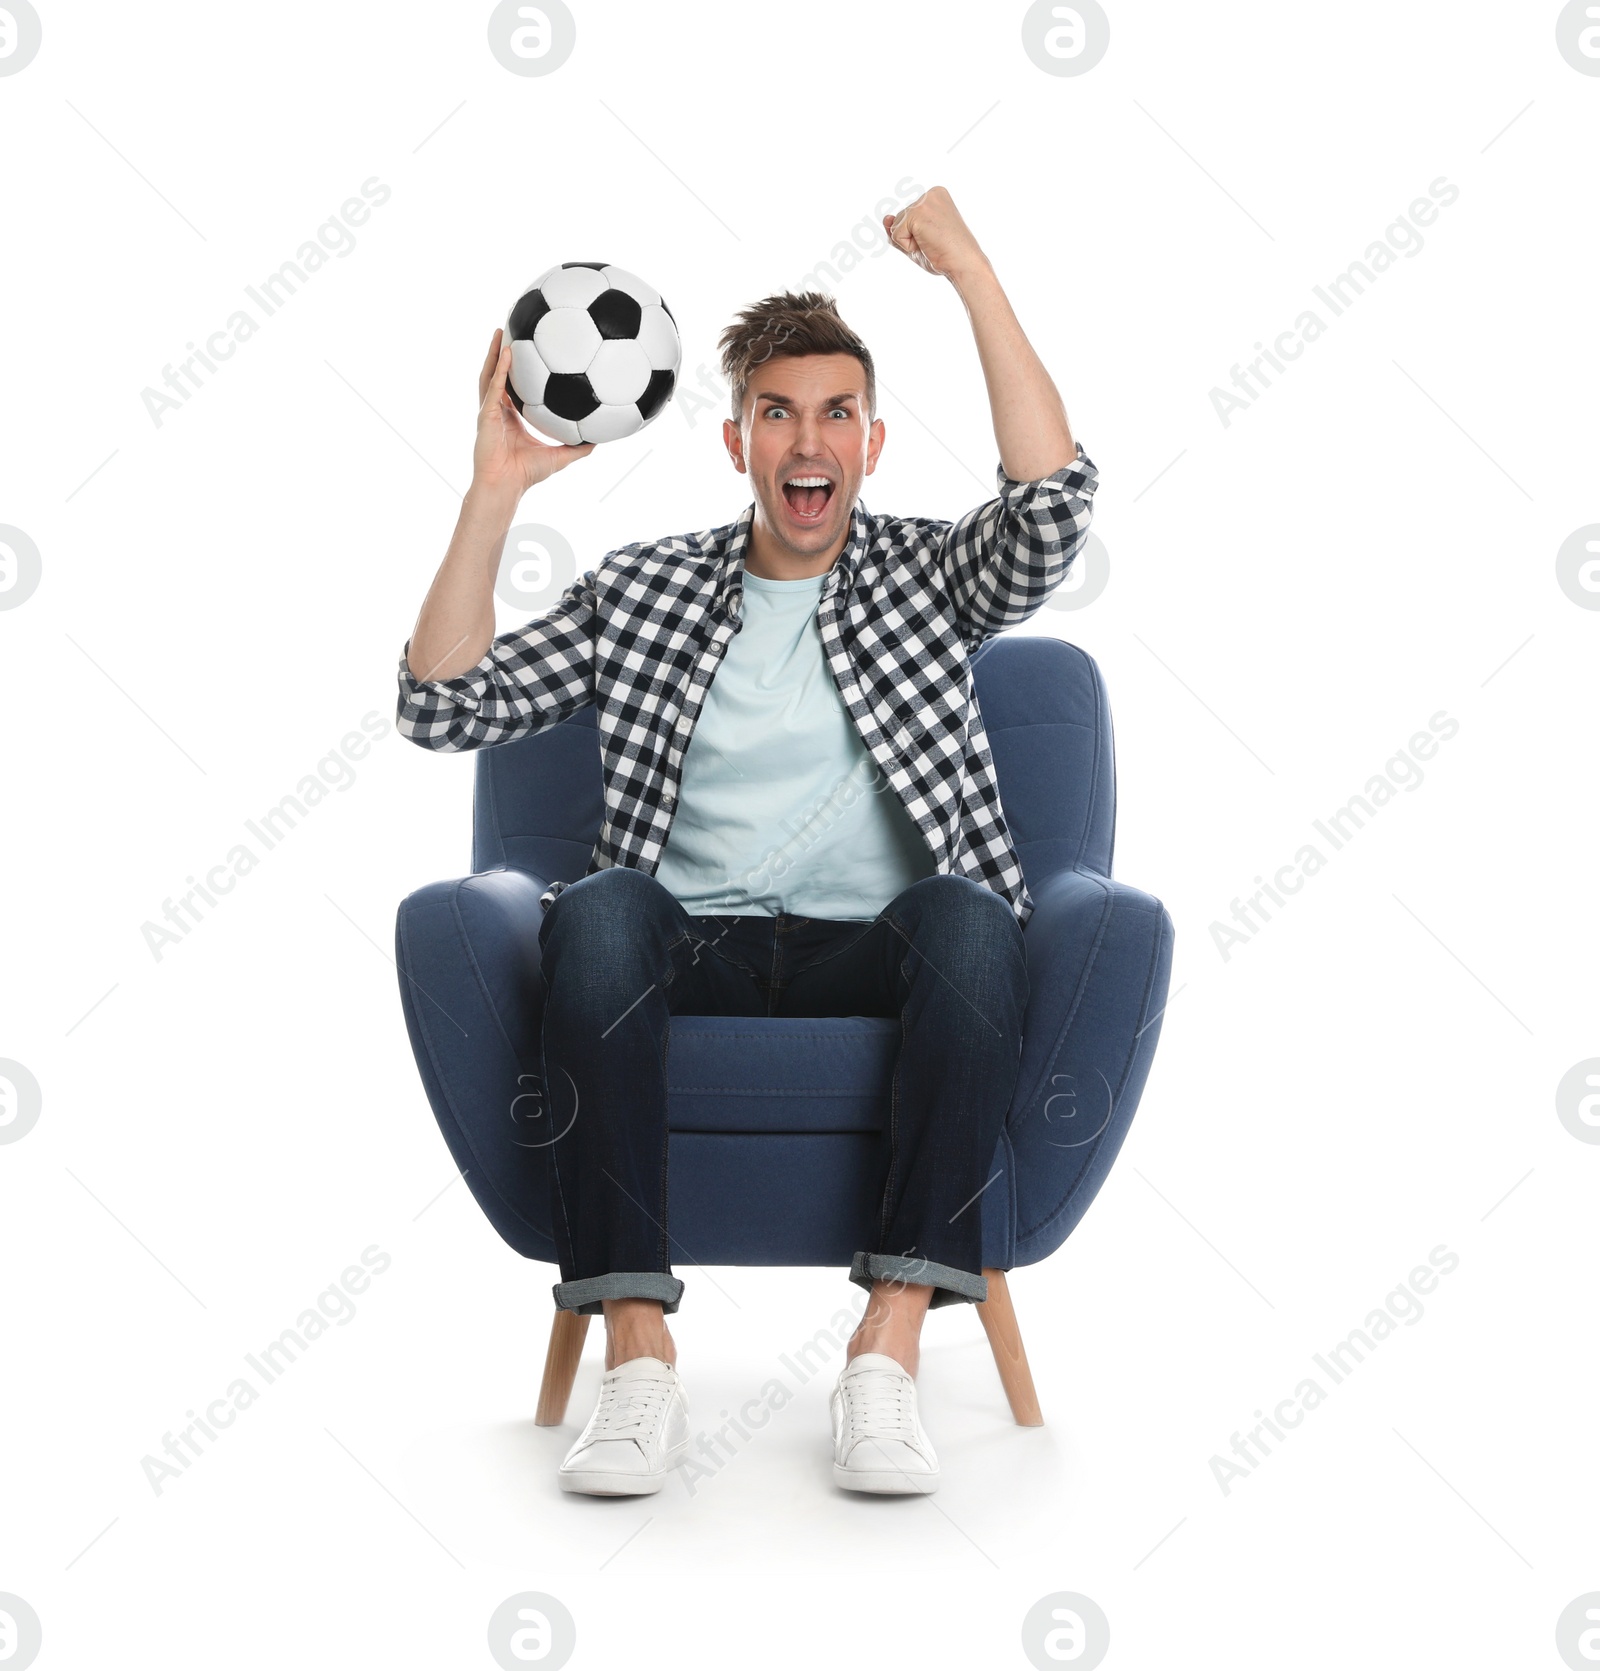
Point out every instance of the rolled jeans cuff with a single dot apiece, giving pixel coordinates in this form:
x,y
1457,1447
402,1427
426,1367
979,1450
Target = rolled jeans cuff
x,y
585,1295
950,1286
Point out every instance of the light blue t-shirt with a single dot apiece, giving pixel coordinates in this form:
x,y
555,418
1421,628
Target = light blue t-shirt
x,y
781,807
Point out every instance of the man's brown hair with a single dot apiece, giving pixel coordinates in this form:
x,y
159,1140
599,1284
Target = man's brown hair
x,y
785,325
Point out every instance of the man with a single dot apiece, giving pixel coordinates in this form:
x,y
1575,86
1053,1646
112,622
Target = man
x,y
749,683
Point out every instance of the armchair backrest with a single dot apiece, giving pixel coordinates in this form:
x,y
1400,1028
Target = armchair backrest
x,y
537,805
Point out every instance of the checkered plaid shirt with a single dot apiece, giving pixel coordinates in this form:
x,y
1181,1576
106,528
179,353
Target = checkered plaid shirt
x,y
907,601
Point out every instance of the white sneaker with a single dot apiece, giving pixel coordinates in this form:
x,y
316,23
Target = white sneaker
x,y
878,1440
637,1434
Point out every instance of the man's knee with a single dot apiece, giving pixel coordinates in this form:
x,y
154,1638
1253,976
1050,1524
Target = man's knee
x,y
965,929
946,901
610,912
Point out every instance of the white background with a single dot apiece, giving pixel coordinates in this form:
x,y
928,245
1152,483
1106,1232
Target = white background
x,y
225,595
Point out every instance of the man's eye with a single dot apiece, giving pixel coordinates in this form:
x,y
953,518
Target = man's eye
x,y
771,410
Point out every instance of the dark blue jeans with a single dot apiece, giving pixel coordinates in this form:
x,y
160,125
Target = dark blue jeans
x,y
621,956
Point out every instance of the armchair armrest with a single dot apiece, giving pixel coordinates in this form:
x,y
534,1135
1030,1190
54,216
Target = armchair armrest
x,y
468,956
1099,962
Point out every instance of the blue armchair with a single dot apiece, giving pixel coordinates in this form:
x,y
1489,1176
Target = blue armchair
x,y
776,1125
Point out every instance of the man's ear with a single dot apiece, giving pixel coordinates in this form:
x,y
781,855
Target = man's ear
x,y
875,435
734,442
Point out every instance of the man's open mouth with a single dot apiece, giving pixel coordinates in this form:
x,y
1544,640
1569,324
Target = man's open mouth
x,y
807,497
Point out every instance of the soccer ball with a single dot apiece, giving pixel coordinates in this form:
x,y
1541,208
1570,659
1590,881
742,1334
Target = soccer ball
x,y
594,353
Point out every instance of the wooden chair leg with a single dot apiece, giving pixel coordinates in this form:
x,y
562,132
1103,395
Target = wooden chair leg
x,y
560,1367
1005,1340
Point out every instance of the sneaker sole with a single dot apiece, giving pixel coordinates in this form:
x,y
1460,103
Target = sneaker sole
x,y
603,1482
600,1483
885,1481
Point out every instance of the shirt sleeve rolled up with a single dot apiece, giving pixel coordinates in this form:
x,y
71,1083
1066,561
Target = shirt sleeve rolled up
x,y
530,678
1004,558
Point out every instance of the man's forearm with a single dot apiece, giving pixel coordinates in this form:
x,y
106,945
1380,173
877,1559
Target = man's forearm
x,y
1030,422
456,626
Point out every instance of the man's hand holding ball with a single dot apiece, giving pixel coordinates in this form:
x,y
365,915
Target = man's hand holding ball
x,y
505,457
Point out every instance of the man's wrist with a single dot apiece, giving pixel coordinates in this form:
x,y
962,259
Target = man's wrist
x,y
492,499
974,277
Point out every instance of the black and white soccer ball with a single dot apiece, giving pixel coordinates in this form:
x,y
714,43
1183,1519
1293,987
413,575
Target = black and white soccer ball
x,y
594,353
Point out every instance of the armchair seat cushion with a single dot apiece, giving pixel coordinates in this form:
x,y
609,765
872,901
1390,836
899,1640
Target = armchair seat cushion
x,y
761,1076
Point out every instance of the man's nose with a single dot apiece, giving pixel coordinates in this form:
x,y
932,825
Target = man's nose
x,y
808,444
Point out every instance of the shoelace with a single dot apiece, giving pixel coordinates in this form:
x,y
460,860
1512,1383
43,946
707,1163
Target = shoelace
x,y
879,1406
630,1409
